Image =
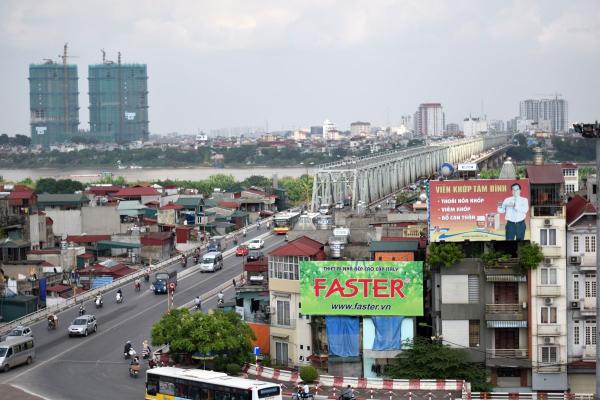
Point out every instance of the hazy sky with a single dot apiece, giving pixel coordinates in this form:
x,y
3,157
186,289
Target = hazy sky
x,y
221,63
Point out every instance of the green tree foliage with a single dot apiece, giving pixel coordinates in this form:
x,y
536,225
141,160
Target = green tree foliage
x,y
520,153
574,149
308,373
299,190
18,140
258,181
530,256
222,334
51,185
520,139
446,254
493,259
425,359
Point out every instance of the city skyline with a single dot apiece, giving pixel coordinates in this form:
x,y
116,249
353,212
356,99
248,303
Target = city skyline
x,y
252,64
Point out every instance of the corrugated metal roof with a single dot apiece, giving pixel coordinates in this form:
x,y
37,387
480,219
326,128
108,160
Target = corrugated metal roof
x,y
549,173
61,198
506,278
405,245
507,324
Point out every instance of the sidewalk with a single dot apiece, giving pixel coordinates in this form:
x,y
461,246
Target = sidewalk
x,y
10,392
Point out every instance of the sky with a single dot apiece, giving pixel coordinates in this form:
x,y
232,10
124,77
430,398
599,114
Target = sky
x,y
292,64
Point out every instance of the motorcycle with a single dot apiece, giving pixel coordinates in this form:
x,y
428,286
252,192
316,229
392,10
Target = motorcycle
x,y
98,302
131,353
134,370
52,323
81,311
146,353
137,286
119,298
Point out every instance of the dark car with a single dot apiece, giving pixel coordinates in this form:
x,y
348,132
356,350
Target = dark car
x,y
254,255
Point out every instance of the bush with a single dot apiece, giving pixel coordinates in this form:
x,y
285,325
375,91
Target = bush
x,y
266,361
233,369
308,374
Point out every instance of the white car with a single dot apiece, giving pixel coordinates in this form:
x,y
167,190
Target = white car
x,y
256,244
18,332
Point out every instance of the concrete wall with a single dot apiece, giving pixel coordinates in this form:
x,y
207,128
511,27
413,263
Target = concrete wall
x,y
66,222
100,220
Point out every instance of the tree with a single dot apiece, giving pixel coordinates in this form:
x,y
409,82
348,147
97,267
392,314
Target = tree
x,y
530,256
424,359
258,181
298,189
51,185
222,334
446,254
520,139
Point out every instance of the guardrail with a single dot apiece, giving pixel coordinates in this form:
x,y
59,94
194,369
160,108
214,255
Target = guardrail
x,y
43,313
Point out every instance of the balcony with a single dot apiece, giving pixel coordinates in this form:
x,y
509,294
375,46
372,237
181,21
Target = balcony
x,y
552,251
507,358
548,290
548,211
588,307
546,368
505,312
549,330
289,323
505,272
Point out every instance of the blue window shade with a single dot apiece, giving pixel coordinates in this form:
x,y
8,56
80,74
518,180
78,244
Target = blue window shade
x,y
387,333
342,336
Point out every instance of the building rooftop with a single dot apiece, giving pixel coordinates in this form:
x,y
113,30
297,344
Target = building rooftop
x,y
577,207
51,199
303,246
545,174
405,245
137,191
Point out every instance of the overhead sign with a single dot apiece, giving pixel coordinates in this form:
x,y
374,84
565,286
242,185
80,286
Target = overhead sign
x,y
467,167
479,210
361,288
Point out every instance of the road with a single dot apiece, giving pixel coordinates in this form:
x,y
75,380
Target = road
x,y
93,367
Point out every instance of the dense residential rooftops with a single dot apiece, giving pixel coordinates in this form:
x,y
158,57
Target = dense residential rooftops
x,y
137,191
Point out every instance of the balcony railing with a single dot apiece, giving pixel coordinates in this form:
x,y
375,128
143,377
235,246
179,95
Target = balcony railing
x,y
549,329
507,353
502,308
548,211
548,290
283,322
552,251
588,306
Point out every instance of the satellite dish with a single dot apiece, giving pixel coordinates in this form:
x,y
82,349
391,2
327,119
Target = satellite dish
x,y
447,169
423,197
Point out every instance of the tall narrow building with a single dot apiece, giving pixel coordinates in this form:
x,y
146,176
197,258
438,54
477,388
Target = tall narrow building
x,y
53,102
429,120
118,101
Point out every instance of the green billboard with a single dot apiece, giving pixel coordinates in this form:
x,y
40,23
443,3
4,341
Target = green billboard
x,y
361,288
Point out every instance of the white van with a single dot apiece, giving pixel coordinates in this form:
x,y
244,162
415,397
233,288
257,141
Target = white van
x,y
211,262
16,352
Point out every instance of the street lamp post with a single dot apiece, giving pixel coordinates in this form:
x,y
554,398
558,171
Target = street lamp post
x,y
592,131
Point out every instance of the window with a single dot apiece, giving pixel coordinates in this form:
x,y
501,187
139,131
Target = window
x,y
549,354
548,276
548,237
590,333
575,244
281,353
593,247
576,333
473,289
474,339
548,315
590,285
569,188
283,312
590,244
285,267
576,287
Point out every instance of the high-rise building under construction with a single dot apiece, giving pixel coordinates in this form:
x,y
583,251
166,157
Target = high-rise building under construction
x,y
118,101
53,101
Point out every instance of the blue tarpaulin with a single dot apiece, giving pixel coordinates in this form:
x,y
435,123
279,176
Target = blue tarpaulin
x,y
342,336
43,290
387,333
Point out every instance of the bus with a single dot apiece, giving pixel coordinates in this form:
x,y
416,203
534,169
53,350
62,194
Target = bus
x,y
170,383
284,221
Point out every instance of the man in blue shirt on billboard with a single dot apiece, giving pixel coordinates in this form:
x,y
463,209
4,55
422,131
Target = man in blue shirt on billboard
x,y
515,208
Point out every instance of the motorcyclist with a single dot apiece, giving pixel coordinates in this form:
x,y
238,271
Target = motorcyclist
x,y
81,309
347,393
98,300
52,321
197,303
220,297
127,349
146,350
286,237
244,232
119,296
137,284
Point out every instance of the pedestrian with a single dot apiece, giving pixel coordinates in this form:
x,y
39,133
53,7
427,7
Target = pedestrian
x,y
233,281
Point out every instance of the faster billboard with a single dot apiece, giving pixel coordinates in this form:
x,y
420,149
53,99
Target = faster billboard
x,y
479,210
361,288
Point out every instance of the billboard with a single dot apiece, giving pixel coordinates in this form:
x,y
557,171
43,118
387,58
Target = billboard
x,y
479,210
361,288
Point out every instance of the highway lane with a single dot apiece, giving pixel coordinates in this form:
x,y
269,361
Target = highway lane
x,y
93,367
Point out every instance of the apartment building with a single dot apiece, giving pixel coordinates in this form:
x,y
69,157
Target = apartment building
x,y
581,294
548,305
290,335
571,175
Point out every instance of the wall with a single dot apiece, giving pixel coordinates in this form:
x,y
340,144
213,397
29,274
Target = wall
x,y
582,383
262,332
100,220
66,222
394,256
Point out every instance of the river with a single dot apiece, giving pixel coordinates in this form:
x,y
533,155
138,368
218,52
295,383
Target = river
x,y
148,174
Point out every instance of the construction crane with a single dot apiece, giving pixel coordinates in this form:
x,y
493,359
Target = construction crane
x,y
64,58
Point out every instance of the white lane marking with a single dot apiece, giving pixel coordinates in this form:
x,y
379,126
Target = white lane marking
x,y
28,391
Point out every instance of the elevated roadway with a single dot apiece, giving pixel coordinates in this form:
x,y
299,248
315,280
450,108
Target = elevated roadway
x,y
371,178
93,367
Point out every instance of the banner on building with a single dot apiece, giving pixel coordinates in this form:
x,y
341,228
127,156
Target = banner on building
x,y
361,288
479,210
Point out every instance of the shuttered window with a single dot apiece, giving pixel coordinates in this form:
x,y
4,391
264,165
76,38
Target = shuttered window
x,y
473,288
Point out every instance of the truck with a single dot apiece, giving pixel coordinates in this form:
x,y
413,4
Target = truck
x,y
162,280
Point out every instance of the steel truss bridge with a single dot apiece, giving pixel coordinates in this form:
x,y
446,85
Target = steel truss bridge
x,y
371,178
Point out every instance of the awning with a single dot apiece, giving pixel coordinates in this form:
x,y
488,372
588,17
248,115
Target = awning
x,y
506,278
507,324
111,244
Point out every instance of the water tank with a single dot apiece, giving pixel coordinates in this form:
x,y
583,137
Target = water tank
x,y
336,247
324,222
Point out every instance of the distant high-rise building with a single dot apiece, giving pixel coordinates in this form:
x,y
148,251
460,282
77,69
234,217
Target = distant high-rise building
x,y
555,111
328,128
452,129
474,126
316,131
496,125
429,120
53,102
360,128
118,101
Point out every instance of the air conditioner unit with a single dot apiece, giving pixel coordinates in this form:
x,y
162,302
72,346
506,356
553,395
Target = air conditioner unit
x,y
547,222
575,305
267,309
547,261
575,260
548,340
548,301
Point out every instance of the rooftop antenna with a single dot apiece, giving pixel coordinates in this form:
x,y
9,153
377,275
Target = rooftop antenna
x,y
103,56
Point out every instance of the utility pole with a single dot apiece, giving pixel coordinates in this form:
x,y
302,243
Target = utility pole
x,y
592,131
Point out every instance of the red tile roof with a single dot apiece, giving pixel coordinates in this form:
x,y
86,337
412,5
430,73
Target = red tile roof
x,y
104,190
49,221
260,265
568,164
45,251
303,246
541,174
171,206
87,238
86,256
155,238
578,206
137,191
21,195
228,204
58,288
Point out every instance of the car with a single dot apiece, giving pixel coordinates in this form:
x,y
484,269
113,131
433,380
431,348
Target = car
x,y
256,244
82,326
254,255
242,250
19,332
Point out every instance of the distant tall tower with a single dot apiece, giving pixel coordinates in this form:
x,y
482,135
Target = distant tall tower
x,y
553,110
429,120
118,101
53,101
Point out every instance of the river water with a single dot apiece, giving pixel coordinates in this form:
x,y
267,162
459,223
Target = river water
x,y
148,174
